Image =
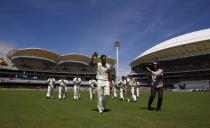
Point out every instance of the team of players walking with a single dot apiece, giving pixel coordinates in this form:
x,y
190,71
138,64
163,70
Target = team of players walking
x,y
106,85
128,88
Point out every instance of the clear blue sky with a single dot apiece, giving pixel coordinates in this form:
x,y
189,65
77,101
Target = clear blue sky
x,y
84,26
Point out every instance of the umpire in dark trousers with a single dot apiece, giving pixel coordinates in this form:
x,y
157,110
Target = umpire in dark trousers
x,y
156,85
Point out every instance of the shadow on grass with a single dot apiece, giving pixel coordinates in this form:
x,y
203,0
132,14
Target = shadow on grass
x,y
106,110
146,108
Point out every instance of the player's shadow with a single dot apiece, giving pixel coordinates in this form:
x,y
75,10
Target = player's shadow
x,y
106,110
146,108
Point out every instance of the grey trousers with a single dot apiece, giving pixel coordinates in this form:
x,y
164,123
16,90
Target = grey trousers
x,y
152,96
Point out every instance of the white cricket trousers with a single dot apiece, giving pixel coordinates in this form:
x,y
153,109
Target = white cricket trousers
x,y
61,92
133,93
114,91
49,90
92,93
137,92
121,93
76,92
103,91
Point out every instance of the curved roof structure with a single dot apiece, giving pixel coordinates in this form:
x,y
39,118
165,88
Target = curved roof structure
x,y
189,44
35,52
75,57
73,63
53,56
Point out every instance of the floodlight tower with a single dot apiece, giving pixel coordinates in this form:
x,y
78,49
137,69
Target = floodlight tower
x,y
117,45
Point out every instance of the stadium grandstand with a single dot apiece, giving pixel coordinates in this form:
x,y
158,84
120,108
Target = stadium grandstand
x,y
31,67
185,60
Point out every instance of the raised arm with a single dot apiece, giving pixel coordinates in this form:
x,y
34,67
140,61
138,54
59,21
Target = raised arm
x,y
48,79
148,69
94,55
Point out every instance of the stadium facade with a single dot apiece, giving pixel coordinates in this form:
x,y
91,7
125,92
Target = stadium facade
x,y
185,60
33,66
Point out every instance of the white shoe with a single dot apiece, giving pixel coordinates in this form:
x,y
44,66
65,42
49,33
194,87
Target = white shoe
x,y
102,108
100,112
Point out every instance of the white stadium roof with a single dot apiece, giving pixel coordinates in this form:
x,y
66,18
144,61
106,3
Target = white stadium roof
x,y
189,44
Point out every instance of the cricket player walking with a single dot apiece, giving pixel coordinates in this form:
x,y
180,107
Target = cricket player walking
x,y
61,89
122,84
92,88
77,82
103,77
51,82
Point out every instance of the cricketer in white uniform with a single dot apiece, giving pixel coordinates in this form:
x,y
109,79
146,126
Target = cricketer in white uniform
x,y
51,82
77,81
103,76
122,84
137,89
128,88
114,89
132,83
92,88
61,89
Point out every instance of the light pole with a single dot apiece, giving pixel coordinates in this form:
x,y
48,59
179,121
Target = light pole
x,y
117,45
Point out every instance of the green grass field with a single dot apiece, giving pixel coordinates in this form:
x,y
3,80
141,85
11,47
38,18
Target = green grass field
x,y
30,109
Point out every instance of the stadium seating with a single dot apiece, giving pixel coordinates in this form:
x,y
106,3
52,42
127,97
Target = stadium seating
x,y
182,69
